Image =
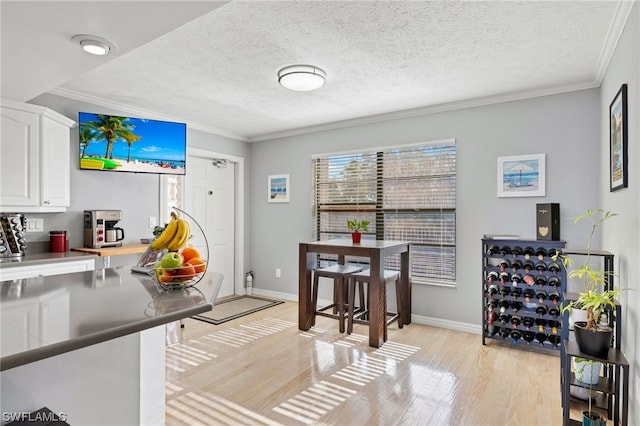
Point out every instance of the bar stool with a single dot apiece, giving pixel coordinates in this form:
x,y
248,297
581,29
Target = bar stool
x,y
339,274
390,277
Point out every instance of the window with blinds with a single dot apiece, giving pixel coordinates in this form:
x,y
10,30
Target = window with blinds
x,y
406,193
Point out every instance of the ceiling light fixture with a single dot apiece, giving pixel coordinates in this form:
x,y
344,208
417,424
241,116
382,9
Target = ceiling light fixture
x,y
301,78
93,44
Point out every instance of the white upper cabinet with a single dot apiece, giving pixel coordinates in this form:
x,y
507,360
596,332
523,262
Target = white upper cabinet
x,y
34,159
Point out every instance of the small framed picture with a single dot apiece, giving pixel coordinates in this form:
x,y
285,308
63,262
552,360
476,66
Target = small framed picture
x,y
618,140
278,188
521,176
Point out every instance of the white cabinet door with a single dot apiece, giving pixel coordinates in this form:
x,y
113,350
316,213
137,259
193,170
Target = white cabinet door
x,y
54,317
19,326
19,158
34,155
55,179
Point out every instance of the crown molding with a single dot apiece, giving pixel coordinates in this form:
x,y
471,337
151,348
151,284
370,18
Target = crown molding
x,y
433,109
140,112
620,17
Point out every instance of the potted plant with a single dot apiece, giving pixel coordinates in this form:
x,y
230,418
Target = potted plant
x,y
588,371
355,226
593,336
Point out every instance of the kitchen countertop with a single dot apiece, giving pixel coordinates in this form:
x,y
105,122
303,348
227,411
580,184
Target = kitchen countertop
x,y
90,307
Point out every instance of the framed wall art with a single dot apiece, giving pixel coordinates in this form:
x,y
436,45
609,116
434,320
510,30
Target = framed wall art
x,y
278,188
521,176
618,140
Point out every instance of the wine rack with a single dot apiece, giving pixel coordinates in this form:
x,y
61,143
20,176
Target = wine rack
x,y
522,293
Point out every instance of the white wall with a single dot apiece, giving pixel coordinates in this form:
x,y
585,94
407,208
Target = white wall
x,y
566,127
621,236
137,195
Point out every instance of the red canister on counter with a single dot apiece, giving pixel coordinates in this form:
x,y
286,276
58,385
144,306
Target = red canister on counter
x,y
58,241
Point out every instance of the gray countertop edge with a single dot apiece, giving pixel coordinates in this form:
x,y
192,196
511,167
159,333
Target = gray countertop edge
x,y
26,357
47,258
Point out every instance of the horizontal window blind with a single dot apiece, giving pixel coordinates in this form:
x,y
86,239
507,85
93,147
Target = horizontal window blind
x,y
406,193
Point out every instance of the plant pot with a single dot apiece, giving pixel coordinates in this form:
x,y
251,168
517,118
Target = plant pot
x,y
356,237
593,342
593,419
587,371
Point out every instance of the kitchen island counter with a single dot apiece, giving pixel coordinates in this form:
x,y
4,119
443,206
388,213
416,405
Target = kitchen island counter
x,y
49,315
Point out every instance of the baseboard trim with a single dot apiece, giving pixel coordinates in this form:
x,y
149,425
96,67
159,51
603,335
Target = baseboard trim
x,y
418,319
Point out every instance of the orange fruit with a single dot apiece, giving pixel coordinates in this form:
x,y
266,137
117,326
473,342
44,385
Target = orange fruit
x,y
185,273
198,264
189,253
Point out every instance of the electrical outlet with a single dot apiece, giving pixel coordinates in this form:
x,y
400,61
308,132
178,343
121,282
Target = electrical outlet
x,y
278,273
153,221
34,224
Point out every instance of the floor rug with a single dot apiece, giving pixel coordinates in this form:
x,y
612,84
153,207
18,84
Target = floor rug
x,y
229,309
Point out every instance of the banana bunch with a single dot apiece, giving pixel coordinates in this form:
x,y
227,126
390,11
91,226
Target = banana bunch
x,y
174,236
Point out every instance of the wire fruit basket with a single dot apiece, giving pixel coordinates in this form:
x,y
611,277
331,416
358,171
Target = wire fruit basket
x,y
176,264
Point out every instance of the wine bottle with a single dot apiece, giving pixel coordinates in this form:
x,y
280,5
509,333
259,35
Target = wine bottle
x,y
541,322
492,330
504,304
493,289
541,253
516,320
528,266
492,249
554,296
528,322
554,311
515,335
528,252
528,336
554,267
554,252
504,265
528,294
554,282
541,337
504,318
491,318
516,251
505,250
554,326
555,340
504,332
541,280
541,267
491,304
541,295
516,292
516,279
516,306
504,291
492,276
541,310
504,277
515,265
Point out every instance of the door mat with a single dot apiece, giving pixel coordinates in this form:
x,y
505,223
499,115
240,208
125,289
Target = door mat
x,y
227,310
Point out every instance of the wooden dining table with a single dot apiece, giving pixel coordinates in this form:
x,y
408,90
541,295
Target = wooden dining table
x,y
376,251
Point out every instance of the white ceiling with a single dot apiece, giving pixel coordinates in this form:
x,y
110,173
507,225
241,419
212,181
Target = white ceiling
x,y
214,64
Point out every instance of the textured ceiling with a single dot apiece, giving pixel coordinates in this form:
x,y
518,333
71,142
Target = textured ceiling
x,y
218,72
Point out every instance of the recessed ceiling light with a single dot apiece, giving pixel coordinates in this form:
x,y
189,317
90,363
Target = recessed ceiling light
x,y
93,44
301,78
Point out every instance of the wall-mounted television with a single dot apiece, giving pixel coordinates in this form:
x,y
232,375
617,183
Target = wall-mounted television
x,y
126,144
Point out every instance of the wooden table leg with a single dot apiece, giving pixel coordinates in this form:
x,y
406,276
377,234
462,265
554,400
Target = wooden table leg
x,y
377,310
305,265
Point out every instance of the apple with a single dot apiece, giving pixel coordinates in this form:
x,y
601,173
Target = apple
x,y
164,275
172,259
185,273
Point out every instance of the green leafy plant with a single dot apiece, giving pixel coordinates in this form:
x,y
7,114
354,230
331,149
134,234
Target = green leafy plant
x,y
356,225
593,298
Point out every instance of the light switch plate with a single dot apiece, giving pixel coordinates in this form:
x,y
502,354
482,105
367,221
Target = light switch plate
x,y
34,224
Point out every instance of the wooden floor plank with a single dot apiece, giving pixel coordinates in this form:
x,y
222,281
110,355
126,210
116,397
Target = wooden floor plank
x,y
260,369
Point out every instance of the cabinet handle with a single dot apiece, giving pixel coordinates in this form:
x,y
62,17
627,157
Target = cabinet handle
x,y
47,202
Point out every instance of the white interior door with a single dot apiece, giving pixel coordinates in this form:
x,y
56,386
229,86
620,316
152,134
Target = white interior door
x,y
210,199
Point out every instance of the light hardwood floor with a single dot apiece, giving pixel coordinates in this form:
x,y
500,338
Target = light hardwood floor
x,y
260,369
